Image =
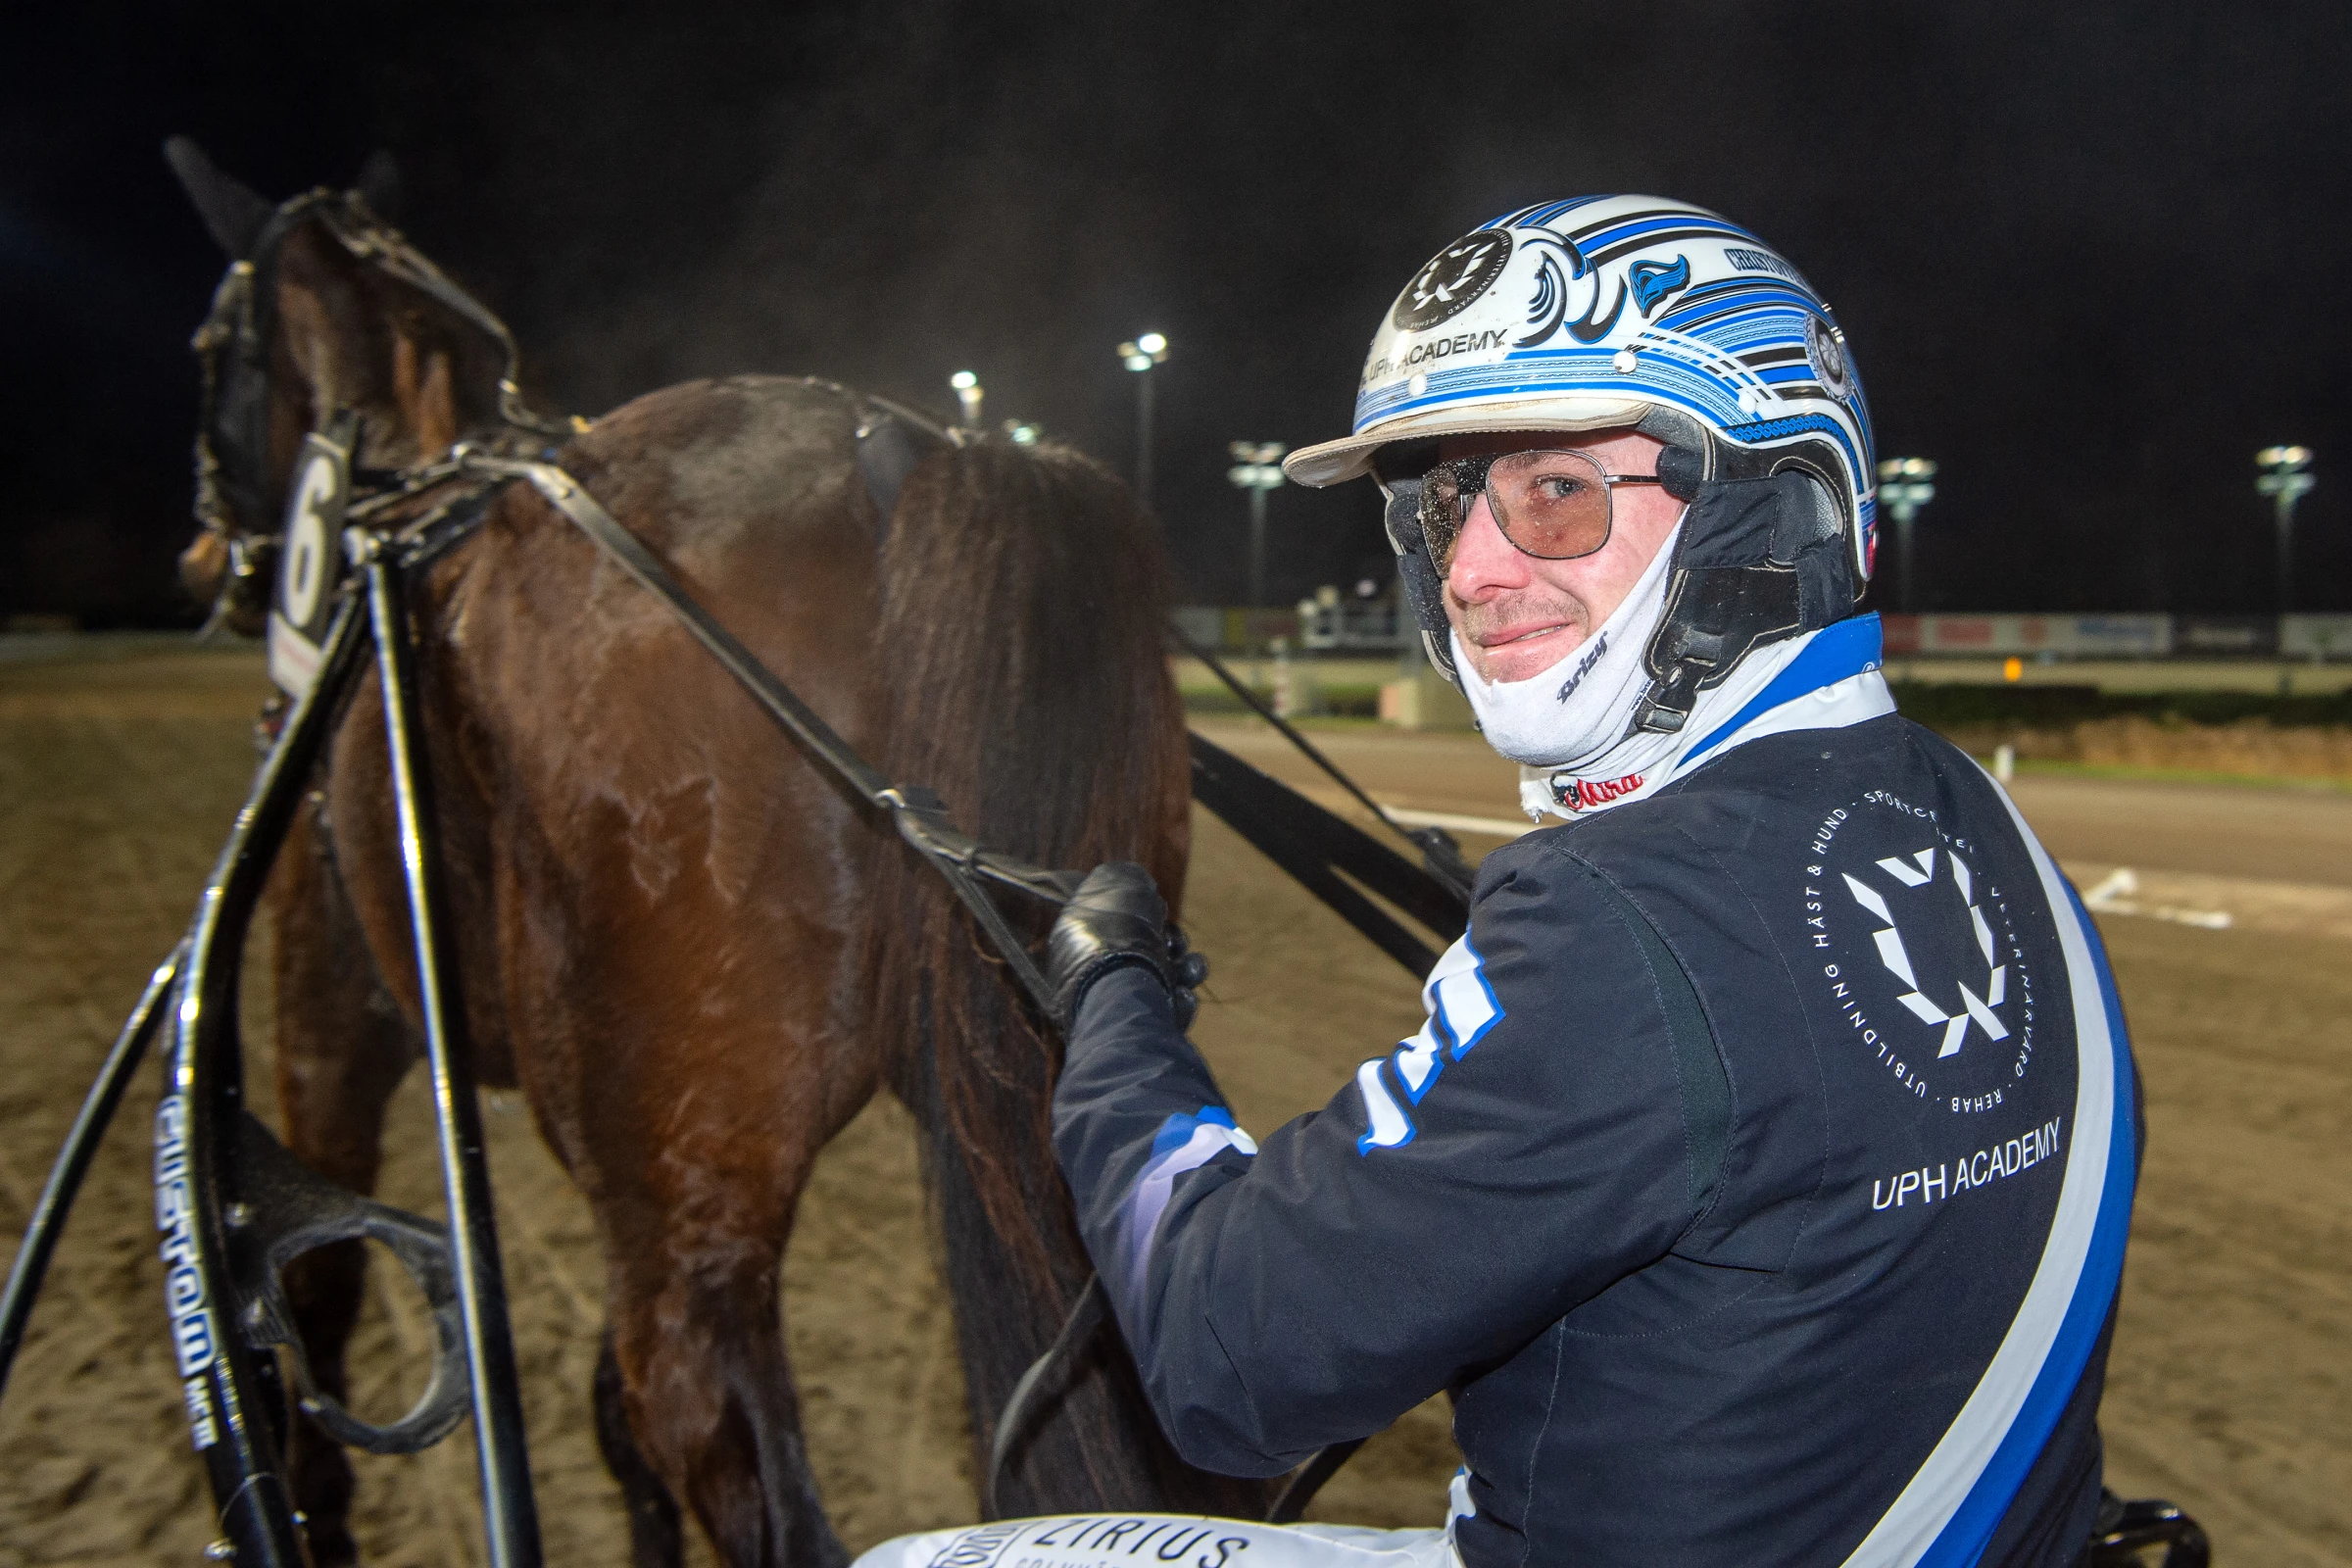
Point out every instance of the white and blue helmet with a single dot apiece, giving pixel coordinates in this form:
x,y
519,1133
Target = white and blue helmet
x,y
1611,310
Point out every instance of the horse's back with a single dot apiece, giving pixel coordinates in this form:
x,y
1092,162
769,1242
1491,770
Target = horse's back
x,y
745,464
747,487
594,691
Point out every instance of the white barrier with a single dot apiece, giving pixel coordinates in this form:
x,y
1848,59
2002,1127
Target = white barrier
x,y
2134,636
1998,636
2315,636
2298,637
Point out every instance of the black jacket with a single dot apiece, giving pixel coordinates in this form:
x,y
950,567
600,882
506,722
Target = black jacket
x,y
1757,1185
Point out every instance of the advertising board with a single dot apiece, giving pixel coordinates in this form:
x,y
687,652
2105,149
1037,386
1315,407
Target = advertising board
x,y
2026,636
2315,636
2228,636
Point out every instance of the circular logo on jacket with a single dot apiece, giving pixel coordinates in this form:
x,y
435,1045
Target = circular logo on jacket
x,y
1918,952
1453,280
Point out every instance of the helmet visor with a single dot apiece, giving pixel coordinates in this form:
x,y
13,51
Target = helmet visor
x,y
1553,505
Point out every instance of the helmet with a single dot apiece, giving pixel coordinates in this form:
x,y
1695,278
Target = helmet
x,y
1617,311
1611,310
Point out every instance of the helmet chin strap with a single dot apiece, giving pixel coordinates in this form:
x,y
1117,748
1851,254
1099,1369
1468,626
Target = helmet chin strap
x,y
1758,560
1424,587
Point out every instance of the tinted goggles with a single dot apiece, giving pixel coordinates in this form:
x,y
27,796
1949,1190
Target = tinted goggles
x,y
1551,505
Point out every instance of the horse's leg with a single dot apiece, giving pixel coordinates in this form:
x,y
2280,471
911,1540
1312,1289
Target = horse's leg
x,y
687,1084
699,1340
342,1050
654,1537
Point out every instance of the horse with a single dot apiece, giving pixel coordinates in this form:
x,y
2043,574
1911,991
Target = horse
x,y
696,955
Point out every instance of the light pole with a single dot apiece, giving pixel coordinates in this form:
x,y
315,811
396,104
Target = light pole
x,y
2285,482
1256,468
968,393
1148,350
1903,489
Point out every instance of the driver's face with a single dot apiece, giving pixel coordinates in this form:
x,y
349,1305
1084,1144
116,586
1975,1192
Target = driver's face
x,y
1518,615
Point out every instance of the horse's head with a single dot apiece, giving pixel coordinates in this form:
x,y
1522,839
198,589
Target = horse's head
x,y
326,318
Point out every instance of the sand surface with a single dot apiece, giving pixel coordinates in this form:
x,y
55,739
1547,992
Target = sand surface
x,y
117,778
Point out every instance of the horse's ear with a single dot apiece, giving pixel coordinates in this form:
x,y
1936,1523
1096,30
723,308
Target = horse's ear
x,y
378,184
233,210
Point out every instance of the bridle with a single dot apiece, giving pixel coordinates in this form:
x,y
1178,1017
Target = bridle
x,y
233,348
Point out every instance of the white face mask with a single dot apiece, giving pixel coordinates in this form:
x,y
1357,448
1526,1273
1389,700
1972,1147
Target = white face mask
x,y
1583,704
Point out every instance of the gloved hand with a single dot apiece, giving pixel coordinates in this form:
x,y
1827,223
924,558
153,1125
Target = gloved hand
x,y
1116,920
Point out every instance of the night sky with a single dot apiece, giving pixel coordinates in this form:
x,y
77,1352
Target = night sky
x,y
2089,256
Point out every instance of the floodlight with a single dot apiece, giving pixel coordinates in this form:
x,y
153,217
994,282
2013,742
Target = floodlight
x,y
968,394
2283,480
1904,488
1256,468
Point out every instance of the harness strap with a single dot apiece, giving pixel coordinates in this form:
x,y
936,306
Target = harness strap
x,y
1088,1313
892,438
919,816
886,456
1441,852
1315,847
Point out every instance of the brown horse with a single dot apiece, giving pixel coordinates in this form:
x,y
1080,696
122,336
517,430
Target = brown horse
x,y
695,954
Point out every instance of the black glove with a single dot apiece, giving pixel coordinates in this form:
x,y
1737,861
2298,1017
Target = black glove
x,y
1116,920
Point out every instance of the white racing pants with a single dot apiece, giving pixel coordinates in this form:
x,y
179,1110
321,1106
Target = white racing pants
x,y
1161,1541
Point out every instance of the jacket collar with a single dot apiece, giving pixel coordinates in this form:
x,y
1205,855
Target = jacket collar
x,y
1826,679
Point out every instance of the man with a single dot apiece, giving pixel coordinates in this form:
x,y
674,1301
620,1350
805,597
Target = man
x,y
1757,1184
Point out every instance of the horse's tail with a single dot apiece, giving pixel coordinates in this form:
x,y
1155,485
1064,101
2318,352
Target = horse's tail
x,y
1021,654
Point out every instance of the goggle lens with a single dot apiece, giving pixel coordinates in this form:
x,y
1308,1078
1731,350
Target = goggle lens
x,y
1554,506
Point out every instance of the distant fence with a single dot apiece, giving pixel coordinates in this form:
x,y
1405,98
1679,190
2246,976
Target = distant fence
x,y
1366,627
1360,626
2301,637
1351,626
1236,630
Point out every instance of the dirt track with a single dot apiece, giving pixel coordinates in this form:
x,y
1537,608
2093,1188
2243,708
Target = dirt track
x,y
117,778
